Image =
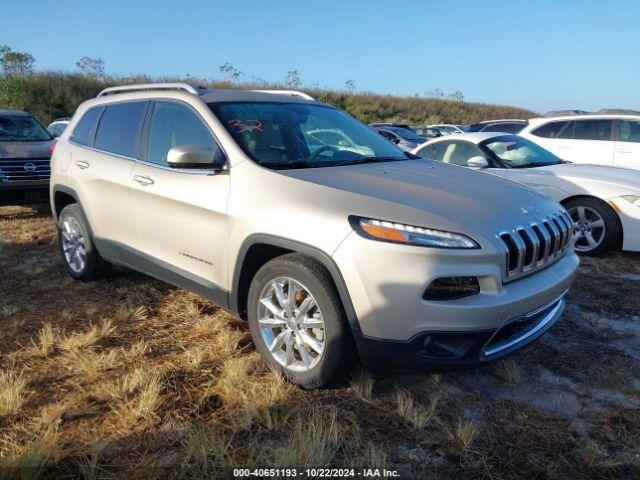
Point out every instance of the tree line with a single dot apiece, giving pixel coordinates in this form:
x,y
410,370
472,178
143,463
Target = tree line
x,y
54,94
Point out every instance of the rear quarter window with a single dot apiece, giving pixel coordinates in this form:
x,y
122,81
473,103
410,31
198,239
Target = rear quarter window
x,y
119,128
86,128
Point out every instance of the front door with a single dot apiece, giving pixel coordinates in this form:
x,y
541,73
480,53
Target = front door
x,y
181,214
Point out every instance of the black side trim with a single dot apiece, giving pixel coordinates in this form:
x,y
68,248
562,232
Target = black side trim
x,y
69,191
295,246
128,257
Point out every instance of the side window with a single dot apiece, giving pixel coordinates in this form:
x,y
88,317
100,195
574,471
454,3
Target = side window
x,y
457,153
592,130
389,136
119,127
629,131
173,125
435,151
86,127
549,130
566,132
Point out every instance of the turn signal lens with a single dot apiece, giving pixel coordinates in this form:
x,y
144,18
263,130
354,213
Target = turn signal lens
x,y
410,235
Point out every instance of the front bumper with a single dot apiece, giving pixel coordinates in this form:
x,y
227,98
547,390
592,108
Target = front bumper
x,y
445,351
630,218
386,284
24,192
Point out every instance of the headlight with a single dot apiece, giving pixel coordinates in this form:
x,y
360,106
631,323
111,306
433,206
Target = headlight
x,y
410,235
634,199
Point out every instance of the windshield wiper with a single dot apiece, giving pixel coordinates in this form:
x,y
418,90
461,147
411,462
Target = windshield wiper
x,y
358,161
289,164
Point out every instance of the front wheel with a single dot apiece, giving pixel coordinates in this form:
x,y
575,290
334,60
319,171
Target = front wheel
x,y
297,321
597,226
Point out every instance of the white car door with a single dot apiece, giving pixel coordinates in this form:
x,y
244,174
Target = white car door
x,y
591,142
627,147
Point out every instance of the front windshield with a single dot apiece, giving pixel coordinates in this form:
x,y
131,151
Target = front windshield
x,y
409,135
299,135
19,128
518,152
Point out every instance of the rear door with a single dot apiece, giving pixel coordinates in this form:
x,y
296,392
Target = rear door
x,y
627,145
102,161
590,142
180,214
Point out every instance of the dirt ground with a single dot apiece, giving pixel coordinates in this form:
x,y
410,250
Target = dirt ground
x,y
132,377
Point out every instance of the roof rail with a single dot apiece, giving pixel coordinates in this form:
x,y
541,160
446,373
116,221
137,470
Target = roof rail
x,y
293,93
187,87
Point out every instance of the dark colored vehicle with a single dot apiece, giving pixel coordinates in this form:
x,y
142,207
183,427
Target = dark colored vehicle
x,y
506,126
25,153
405,138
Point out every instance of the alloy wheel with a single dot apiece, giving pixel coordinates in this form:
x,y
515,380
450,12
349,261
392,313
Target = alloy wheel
x,y
291,324
590,228
73,245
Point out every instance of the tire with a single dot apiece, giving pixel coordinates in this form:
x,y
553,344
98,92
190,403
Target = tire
x,y
313,285
74,235
590,240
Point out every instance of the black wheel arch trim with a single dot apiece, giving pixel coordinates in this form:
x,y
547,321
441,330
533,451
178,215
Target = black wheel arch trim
x,y
69,191
297,247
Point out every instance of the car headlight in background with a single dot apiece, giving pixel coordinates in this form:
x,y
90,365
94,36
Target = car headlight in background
x,y
634,199
410,235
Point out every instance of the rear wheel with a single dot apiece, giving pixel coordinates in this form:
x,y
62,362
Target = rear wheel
x,y
297,321
597,226
77,250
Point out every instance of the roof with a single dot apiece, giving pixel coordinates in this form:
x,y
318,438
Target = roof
x,y
18,113
211,96
216,96
504,120
586,116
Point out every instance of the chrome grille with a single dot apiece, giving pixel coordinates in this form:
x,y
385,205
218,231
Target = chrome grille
x,y
537,244
13,169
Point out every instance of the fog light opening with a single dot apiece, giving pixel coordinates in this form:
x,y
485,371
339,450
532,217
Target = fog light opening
x,y
452,288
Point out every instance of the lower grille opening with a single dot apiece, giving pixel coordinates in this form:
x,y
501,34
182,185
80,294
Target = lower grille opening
x,y
518,330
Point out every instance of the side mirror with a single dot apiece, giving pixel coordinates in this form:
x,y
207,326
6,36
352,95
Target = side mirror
x,y
194,156
478,162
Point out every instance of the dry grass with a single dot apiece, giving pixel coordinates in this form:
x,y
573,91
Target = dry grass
x,y
13,392
509,371
128,375
413,413
362,384
83,340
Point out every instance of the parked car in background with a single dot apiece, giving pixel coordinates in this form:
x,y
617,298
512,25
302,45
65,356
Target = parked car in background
x,y
604,202
25,150
403,138
428,132
601,138
505,126
448,129
58,126
323,249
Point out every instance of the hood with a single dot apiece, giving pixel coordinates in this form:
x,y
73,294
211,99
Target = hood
x,y
26,150
430,194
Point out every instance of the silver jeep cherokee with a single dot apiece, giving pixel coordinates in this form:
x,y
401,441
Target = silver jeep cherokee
x,y
332,242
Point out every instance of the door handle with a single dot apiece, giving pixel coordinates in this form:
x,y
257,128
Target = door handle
x,y
83,164
143,180
623,151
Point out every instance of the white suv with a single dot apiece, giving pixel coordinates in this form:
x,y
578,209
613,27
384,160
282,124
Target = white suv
x,y
330,245
590,138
